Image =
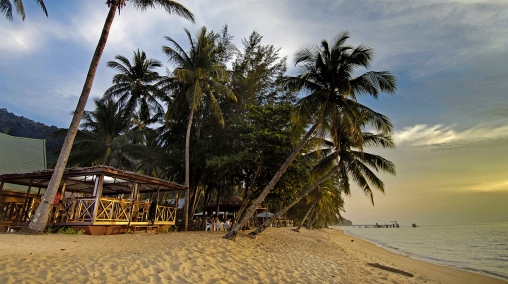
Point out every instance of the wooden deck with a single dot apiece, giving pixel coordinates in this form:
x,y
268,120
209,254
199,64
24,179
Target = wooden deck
x,y
110,200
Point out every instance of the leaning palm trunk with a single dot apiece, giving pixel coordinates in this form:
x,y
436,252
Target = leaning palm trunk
x,y
311,224
40,218
187,169
248,196
196,199
267,223
240,212
231,235
305,217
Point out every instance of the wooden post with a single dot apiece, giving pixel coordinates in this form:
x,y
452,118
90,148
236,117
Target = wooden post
x,y
64,186
177,198
157,203
23,209
57,203
1,188
97,192
133,193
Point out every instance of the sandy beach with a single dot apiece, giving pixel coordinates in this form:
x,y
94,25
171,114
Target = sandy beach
x,y
276,256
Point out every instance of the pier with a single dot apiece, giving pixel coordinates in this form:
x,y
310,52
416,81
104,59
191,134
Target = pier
x,y
393,224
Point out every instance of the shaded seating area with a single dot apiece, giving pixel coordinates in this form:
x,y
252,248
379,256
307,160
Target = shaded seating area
x,y
227,209
100,200
280,222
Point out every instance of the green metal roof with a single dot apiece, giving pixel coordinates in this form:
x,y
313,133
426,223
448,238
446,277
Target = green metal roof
x,y
18,154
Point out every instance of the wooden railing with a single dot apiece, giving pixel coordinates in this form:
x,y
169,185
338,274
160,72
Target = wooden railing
x,y
165,214
109,210
11,211
113,210
75,210
81,210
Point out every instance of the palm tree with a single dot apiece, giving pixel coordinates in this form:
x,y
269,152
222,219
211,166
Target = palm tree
x,y
327,76
151,162
103,139
312,207
40,218
200,78
6,8
345,158
330,203
326,201
136,84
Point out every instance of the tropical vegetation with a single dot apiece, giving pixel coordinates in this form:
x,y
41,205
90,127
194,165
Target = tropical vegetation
x,y
40,218
229,122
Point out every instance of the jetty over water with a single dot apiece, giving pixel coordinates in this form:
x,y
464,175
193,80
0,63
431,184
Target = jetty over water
x,y
393,224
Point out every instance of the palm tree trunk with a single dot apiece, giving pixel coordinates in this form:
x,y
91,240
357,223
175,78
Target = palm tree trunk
x,y
187,169
205,205
305,217
311,224
267,223
195,200
217,205
248,194
40,219
231,235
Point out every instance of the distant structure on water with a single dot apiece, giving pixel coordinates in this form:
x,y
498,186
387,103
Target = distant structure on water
x,y
394,225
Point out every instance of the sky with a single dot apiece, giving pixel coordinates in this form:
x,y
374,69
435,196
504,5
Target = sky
x,y
450,58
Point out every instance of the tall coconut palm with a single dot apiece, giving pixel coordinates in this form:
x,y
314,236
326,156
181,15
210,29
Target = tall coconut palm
x,y
103,139
346,159
201,79
6,8
151,162
327,75
327,199
40,218
136,84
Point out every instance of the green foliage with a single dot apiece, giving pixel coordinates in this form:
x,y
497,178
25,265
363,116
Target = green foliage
x,y
63,230
103,139
137,86
6,8
235,148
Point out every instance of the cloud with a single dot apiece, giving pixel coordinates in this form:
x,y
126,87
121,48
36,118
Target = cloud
x,y
21,39
445,136
501,185
17,40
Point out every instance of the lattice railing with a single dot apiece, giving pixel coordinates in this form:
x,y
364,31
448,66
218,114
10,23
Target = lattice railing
x,y
11,211
113,210
109,210
165,214
75,210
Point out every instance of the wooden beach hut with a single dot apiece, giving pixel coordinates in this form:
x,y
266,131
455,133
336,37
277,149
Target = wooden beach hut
x,y
100,200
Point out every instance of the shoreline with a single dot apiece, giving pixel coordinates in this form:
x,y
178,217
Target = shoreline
x,y
276,256
415,257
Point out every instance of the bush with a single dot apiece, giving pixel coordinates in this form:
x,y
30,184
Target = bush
x,y
64,230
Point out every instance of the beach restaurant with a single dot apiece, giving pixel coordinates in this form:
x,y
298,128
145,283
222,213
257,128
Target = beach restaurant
x,y
100,200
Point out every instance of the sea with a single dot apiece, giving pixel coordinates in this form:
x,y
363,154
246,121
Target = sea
x,y
480,248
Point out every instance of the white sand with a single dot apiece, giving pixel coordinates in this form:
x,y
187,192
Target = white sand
x,y
276,256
